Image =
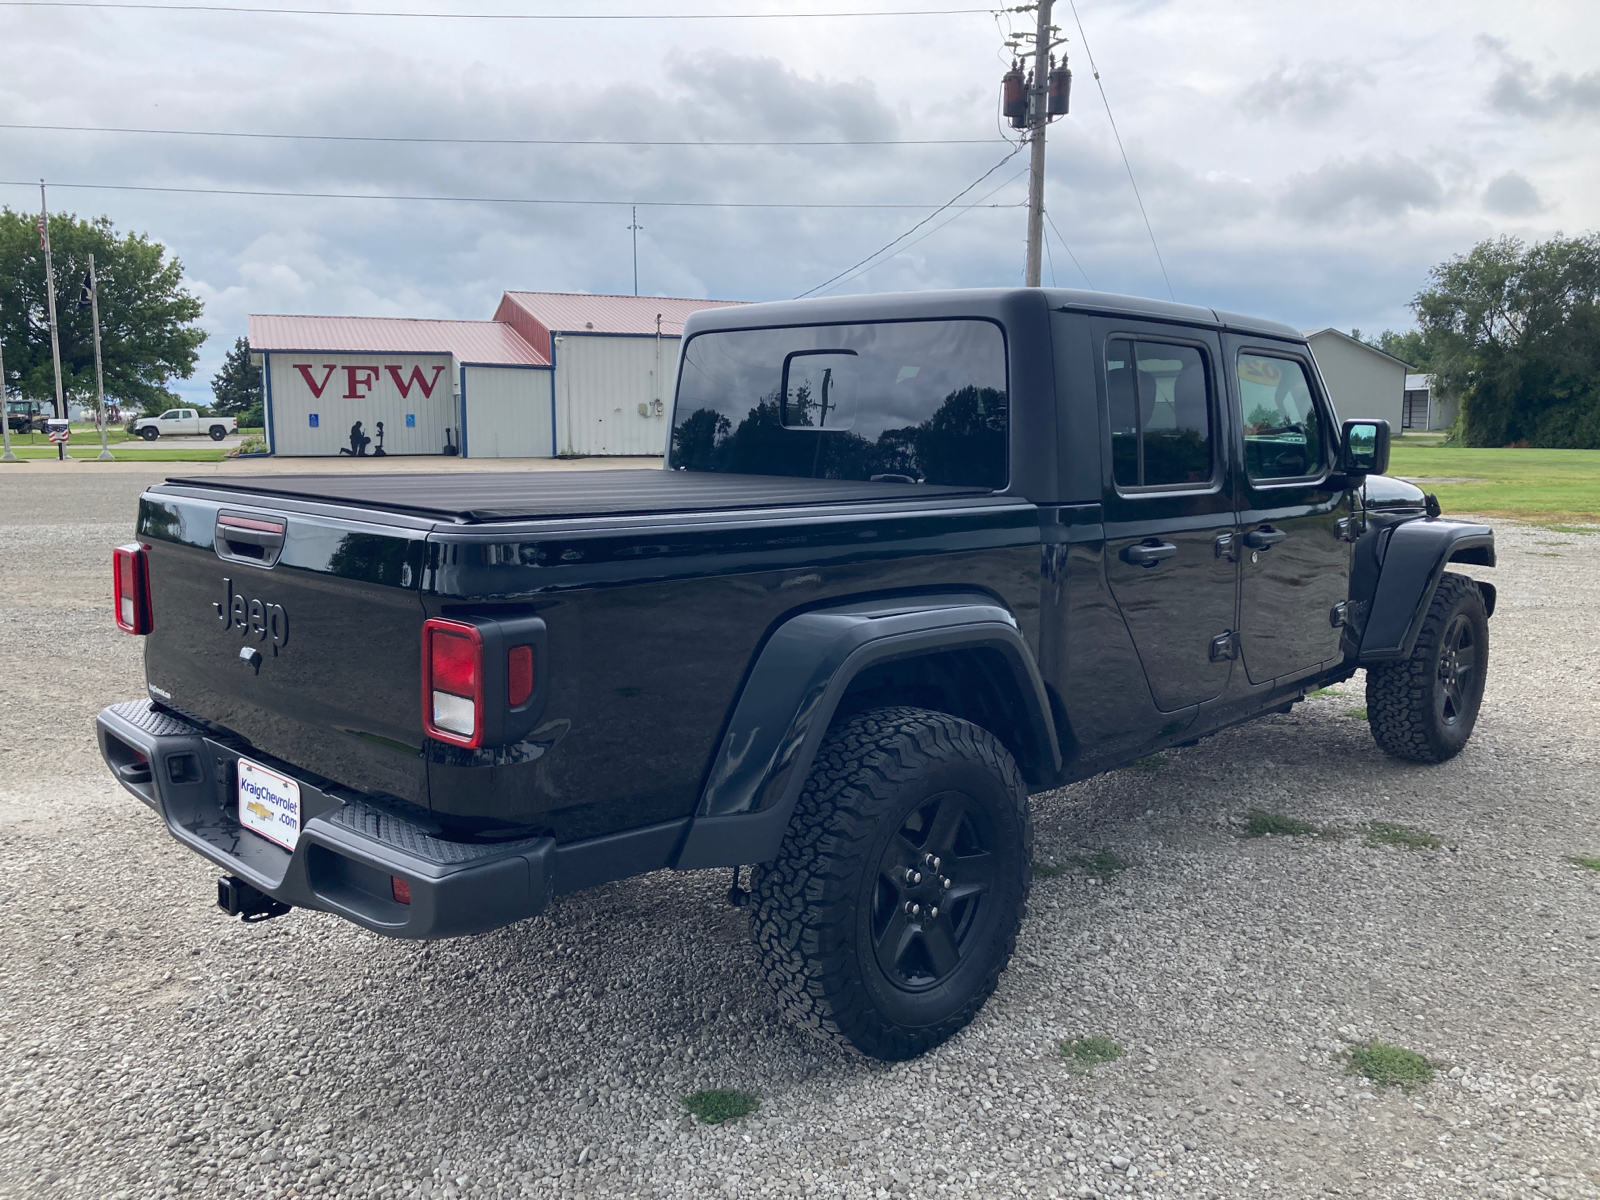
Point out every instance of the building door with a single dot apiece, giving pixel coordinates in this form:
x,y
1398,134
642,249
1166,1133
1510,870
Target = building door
x,y
1169,508
1295,559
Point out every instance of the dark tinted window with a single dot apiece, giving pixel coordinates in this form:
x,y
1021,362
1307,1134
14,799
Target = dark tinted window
x,y
1160,414
1282,428
908,401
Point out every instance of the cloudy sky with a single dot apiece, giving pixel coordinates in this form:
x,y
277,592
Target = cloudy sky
x,y
1305,163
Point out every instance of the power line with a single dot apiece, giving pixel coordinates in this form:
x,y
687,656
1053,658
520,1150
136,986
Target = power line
x,y
947,204
203,191
1129,166
1068,249
956,216
489,16
336,137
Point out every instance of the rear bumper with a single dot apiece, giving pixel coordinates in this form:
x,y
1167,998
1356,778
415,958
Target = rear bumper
x,y
350,846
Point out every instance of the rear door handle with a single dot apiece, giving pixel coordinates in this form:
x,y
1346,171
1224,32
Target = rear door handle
x,y
1264,538
1148,554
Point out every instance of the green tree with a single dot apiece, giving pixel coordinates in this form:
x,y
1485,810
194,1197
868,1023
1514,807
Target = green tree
x,y
1514,331
1410,347
147,319
237,387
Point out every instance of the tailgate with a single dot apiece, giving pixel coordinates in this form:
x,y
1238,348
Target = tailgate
x,y
299,631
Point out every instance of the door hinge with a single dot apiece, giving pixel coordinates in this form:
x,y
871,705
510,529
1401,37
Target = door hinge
x,y
1225,646
1226,546
1350,528
1347,612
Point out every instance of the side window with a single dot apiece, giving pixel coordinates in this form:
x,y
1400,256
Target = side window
x,y
1283,433
1160,414
170,415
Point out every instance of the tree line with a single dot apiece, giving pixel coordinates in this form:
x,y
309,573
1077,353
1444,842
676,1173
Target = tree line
x,y
1513,332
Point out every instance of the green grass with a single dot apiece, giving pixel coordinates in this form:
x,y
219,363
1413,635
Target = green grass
x,y
1387,1065
1261,823
1405,837
1327,691
1543,486
1150,762
1591,530
91,452
1359,714
1048,870
1102,863
1086,1053
1583,861
722,1104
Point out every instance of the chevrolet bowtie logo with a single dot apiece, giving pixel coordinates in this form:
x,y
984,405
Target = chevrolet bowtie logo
x,y
259,810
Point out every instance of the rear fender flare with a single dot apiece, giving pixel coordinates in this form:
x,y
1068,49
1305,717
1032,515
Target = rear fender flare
x,y
795,686
1414,560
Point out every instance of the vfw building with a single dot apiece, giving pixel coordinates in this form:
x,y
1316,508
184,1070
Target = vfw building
x,y
551,374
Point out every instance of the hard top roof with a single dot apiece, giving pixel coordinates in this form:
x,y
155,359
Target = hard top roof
x,y
976,302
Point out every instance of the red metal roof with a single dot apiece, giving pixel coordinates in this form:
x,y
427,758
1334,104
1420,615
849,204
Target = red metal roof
x,y
493,342
536,315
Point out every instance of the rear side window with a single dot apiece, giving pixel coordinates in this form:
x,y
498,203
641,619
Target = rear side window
x,y
902,402
1282,426
1159,398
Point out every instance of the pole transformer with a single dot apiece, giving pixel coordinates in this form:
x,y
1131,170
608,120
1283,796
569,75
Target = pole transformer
x,y
1038,118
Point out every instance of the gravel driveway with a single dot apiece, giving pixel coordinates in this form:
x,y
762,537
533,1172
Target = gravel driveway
x,y
152,1047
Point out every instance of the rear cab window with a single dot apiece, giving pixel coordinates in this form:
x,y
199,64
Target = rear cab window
x,y
1158,395
890,401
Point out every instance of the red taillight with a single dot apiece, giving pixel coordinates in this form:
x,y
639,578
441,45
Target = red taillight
x,y
130,588
519,675
452,682
401,889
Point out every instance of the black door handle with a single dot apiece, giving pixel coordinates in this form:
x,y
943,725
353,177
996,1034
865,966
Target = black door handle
x,y
1264,538
1148,554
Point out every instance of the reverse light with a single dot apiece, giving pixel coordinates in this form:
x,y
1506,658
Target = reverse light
x,y
452,682
130,589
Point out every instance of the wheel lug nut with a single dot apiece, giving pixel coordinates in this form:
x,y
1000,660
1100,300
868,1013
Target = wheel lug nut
x,y
946,882
910,908
934,911
915,909
916,877
911,876
934,864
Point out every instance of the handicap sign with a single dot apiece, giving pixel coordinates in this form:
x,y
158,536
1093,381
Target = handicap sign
x,y
411,420
313,420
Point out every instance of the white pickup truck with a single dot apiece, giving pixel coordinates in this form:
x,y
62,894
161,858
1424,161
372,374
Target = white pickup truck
x,y
180,422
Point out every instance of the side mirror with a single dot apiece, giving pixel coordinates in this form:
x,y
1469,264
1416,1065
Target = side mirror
x,y
1364,447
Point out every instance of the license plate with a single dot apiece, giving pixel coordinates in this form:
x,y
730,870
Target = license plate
x,y
269,804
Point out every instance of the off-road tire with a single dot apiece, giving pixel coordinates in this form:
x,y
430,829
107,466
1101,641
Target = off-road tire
x,y
1409,706
814,907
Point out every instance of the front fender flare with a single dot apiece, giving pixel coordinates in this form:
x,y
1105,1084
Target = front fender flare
x,y
1413,563
794,688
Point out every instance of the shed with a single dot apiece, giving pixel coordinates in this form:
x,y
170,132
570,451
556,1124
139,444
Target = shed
x,y
1362,380
614,362
1426,406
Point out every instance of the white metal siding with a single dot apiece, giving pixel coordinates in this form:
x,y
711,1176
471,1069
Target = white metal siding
x,y
600,384
508,412
1361,384
364,388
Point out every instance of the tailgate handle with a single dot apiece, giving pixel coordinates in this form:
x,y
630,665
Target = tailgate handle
x,y
247,539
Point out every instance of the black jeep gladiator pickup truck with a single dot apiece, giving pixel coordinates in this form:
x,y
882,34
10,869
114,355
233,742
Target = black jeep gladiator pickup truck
x,y
911,559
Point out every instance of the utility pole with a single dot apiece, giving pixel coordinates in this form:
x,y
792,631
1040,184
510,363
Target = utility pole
x,y
636,227
99,375
1038,118
50,291
9,456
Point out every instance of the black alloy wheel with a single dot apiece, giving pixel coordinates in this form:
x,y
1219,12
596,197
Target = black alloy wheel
x,y
934,876
895,900
1424,708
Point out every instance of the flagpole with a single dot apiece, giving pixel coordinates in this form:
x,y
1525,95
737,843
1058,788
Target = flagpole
x,y
99,376
50,291
9,456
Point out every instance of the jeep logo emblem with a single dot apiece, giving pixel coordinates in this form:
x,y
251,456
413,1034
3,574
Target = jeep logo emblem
x,y
265,621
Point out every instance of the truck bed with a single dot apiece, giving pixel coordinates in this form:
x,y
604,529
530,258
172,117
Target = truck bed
x,y
508,496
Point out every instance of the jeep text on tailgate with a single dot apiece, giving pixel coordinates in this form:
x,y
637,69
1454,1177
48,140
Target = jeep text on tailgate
x,y
911,559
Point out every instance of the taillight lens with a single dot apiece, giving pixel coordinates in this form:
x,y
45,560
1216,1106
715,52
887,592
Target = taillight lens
x,y
519,675
130,588
452,682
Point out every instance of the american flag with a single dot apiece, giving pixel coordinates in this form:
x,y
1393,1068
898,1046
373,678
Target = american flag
x,y
44,234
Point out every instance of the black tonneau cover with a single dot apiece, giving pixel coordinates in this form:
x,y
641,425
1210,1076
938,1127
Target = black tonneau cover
x,y
510,495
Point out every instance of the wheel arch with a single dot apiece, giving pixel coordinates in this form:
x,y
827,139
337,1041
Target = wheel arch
x,y
1414,560
965,652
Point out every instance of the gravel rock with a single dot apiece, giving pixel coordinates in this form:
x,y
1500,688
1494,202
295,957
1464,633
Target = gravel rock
x,y
153,1048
